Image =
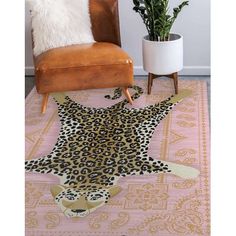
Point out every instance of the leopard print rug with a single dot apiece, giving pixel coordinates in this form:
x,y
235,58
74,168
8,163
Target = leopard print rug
x,y
98,146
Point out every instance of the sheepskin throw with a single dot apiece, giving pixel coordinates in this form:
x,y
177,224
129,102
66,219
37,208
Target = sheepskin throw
x,y
59,23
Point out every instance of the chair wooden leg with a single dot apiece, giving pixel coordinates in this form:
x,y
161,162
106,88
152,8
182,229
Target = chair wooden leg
x,y
44,103
127,94
150,81
175,78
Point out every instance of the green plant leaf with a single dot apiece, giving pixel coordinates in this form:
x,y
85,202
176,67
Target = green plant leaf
x,y
136,2
156,17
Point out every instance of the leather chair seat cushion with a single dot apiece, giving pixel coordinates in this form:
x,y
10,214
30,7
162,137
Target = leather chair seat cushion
x,y
83,66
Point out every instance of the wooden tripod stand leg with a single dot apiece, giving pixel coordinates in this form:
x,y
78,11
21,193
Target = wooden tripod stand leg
x,y
175,78
44,103
127,94
150,82
152,78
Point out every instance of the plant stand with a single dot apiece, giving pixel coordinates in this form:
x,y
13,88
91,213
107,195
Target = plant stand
x,y
173,76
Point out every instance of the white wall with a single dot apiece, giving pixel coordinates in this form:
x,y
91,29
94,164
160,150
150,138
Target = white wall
x,y
193,23
28,44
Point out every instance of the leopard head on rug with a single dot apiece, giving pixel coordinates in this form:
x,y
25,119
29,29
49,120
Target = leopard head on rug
x,y
79,201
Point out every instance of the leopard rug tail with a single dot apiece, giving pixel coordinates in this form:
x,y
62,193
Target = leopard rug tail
x,y
118,93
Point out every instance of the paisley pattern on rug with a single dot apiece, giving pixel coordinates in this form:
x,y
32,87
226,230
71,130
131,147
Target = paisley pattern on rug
x,y
98,146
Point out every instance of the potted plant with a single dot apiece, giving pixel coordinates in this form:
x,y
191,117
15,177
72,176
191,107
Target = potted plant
x,y
162,50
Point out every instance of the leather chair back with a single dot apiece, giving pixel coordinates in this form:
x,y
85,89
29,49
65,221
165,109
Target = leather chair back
x,y
105,21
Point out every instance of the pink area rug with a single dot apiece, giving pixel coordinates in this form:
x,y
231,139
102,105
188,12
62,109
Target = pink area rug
x,y
148,205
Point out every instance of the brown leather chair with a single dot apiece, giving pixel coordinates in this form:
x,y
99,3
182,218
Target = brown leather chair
x,y
87,66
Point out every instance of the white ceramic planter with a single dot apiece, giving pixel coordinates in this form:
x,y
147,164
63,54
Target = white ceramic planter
x,y
163,58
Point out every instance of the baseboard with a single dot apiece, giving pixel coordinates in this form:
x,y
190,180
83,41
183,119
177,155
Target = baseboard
x,y
138,70
29,71
187,70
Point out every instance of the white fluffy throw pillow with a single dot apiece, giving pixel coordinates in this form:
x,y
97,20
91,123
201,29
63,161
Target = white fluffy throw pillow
x,y
58,23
